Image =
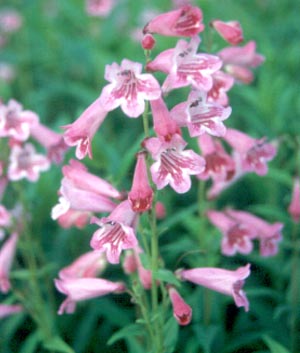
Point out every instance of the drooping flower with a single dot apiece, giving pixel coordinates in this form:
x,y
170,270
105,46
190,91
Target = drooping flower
x,y
141,194
81,132
219,164
201,116
52,141
26,163
294,207
268,234
181,310
183,22
16,122
254,153
115,232
88,265
128,88
237,236
7,253
173,165
223,281
231,31
238,61
101,8
7,310
78,289
185,67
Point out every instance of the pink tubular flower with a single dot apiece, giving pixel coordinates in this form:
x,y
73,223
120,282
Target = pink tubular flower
x,y
26,163
10,20
7,310
173,165
78,289
115,232
222,281
255,153
185,21
129,88
148,42
75,218
101,8
81,132
7,253
238,61
268,234
231,31
141,194
185,67
52,141
201,116
16,122
181,310
294,207
237,236
222,83
219,164
5,217
88,265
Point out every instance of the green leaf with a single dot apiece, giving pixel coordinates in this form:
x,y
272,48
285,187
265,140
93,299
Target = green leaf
x,y
274,346
31,342
56,343
170,334
125,332
166,276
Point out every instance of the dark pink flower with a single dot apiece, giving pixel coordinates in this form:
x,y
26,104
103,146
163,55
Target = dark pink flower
x,y
141,194
237,236
294,207
81,132
222,83
16,122
173,165
223,281
231,31
254,153
181,310
115,232
7,254
185,67
26,163
185,21
148,42
78,289
129,88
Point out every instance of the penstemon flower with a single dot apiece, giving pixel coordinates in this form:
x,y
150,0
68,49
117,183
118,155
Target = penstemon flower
x,y
101,8
231,31
222,83
7,253
181,310
7,310
294,207
129,88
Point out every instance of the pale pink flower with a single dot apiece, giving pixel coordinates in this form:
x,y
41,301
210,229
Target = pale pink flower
x,y
201,116
185,21
129,264
115,232
7,71
237,236
129,88
87,265
51,140
222,281
160,210
78,289
141,194
294,207
268,234
7,310
75,218
219,164
238,61
231,31
254,153
222,83
173,165
81,132
16,122
5,217
10,20
26,163
181,310
101,8
7,254
185,67
144,274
